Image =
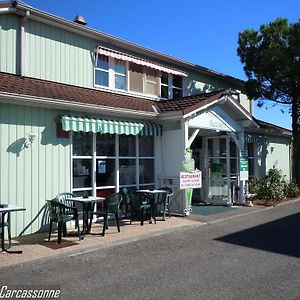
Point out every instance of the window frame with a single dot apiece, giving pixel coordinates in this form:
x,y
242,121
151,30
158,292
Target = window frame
x,y
112,77
93,188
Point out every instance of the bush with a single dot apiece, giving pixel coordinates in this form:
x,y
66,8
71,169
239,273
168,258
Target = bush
x,y
291,189
272,186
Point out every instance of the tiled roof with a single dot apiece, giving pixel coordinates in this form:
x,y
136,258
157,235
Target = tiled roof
x,y
47,89
271,128
189,103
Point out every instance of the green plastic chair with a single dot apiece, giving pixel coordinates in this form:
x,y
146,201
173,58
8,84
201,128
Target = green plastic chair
x,y
141,206
111,211
163,203
64,198
61,214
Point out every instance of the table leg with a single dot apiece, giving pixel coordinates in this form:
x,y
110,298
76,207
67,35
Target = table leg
x,y
2,237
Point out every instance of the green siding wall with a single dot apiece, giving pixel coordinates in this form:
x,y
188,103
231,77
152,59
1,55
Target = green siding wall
x,y
58,55
29,176
275,153
9,43
198,83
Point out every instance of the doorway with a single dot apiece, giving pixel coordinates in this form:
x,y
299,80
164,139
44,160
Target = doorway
x,y
218,160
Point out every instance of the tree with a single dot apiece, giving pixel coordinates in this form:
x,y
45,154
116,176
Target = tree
x,y
271,59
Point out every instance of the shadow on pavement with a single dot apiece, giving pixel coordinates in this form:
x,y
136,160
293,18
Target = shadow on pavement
x,y
280,236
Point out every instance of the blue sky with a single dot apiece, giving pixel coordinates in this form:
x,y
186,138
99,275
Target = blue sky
x,y
201,32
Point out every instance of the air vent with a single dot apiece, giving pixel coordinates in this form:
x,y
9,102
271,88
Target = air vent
x,y
80,20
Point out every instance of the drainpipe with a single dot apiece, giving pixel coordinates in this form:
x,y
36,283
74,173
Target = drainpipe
x,y
23,49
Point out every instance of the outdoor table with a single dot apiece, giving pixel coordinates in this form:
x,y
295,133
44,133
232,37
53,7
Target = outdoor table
x,y
153,193
3,211
86,207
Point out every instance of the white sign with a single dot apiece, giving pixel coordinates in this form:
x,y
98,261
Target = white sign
x,y
190,180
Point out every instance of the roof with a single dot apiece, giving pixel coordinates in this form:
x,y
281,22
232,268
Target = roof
x,y
190,103
18,85
21,8
271,128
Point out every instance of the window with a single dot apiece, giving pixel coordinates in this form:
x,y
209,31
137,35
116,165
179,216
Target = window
x,y
120,74
250,148
102,70
177,86
151,79
136,77
95,169
164,86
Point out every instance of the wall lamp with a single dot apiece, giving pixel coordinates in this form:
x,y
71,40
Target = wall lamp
x,y
31,138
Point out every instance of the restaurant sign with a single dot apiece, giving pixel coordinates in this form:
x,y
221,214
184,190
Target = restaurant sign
x,y
190,180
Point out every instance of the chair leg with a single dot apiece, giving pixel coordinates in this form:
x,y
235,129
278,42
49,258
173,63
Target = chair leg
x,y
104,225
60,229
78,229
142,216
64,229
50,229
117,221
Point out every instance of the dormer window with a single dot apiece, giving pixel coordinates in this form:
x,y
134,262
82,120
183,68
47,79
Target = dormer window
x,y
102,71
118,71
120,74
177,86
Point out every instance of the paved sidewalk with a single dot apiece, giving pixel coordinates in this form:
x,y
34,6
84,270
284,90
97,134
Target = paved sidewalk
x,y
36,246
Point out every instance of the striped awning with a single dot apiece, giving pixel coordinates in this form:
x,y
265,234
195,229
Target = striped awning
x,y
78,124
139,61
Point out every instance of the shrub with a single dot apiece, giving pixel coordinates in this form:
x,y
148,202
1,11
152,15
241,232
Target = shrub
x,y
272,186
253,185
291,189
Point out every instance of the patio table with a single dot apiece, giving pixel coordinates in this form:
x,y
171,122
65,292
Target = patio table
x,y
86,208
3,211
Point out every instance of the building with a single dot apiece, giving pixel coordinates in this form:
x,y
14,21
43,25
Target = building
x,y
86,112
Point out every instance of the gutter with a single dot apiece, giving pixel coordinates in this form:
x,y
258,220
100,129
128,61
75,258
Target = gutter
x,y
77,106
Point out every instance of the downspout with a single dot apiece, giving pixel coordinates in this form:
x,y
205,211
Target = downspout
x,y
23,48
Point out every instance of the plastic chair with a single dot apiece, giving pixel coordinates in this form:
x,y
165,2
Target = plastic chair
x,y
164,202
141,206
111,210
64,198
61,214
7,225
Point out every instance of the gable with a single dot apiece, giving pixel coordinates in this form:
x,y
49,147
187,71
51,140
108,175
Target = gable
x,y
214,119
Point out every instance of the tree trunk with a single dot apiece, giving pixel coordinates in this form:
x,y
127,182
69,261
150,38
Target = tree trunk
x,y
296,140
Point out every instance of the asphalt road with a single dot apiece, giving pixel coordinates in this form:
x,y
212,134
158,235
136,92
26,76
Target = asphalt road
x,y
250,257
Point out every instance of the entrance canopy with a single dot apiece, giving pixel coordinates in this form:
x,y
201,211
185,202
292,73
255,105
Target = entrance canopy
x,y
78,124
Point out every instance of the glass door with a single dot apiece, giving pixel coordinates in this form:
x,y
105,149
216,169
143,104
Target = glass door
x,y
217,156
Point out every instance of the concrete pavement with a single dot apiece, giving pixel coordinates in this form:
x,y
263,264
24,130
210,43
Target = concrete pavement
x,y
37,246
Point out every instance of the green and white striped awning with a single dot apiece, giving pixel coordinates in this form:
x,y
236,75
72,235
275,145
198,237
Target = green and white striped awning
x,y
78,124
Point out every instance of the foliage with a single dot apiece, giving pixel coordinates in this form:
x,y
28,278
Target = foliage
x,y
273,186
291,189
271,59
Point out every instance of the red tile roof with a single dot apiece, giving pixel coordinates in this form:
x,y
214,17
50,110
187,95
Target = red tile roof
x,y
190,103
271,128
47,89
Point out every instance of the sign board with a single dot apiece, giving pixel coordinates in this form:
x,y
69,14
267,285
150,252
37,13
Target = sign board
x,y
244,169
190,180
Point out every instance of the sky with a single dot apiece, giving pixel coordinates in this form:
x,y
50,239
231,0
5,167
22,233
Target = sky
x,y
200,32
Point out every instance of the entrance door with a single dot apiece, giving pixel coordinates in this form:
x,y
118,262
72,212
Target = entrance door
x,y
217,170
221,169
